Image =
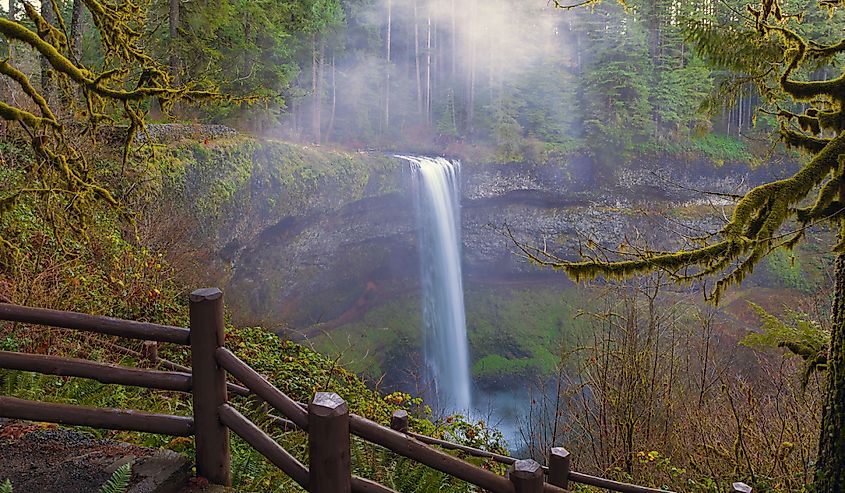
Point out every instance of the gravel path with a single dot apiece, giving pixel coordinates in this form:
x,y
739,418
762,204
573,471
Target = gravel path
x,y
46,459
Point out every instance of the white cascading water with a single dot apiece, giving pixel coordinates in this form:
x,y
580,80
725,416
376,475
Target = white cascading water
x,y
439,213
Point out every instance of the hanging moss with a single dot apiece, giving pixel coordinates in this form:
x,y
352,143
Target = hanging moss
x,y
824,206
803,142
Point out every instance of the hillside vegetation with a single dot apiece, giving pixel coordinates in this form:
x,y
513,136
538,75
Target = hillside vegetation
x,y
116,272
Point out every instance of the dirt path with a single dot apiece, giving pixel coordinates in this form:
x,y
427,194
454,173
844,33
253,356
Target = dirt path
x,y
46,459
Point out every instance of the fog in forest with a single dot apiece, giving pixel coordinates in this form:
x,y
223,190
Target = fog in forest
x,y
422,72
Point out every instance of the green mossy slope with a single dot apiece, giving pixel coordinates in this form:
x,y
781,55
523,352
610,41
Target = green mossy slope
x,y
514,331
237,181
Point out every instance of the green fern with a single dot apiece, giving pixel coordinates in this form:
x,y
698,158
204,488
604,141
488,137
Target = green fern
x,y
119,480
6,487
799,334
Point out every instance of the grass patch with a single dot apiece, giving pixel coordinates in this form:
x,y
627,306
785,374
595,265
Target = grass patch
x,y
721,148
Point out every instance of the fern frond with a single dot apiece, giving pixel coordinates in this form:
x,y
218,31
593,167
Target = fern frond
x,y
119,480
800,335
6,487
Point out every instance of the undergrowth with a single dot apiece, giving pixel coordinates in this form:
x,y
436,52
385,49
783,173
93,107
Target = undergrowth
x,y
296,370
113,270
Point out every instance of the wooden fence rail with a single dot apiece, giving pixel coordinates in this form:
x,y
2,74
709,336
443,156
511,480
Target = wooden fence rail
x,y
326,419
109,374
259,385
97,324
110,419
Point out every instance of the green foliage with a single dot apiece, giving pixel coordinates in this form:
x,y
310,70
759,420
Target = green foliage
x,y
721,149
119,480
508,133
616,109
215,181
112,93
6,487
248,47
799,334
108,273
677,94
447,123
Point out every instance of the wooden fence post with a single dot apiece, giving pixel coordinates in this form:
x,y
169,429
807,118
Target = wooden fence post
x,y
399,421
526,476
213,456
149,351
330,466
559,465
740,488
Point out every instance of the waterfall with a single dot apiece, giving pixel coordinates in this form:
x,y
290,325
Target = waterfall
x,y
437,183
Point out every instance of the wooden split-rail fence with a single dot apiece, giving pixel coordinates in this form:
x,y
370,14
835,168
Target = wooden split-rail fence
x,y
326,419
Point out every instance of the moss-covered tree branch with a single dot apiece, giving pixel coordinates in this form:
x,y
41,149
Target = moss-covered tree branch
x,y
70,188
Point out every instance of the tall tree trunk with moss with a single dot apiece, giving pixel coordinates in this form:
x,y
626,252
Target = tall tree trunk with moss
x,y
5,88
76,36
46,85
830,467
174,34
173,25
12,12
76,29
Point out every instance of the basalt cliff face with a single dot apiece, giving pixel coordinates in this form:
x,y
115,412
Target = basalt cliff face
x,y
303,236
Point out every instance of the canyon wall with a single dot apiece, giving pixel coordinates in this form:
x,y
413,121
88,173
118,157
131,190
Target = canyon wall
x,y
306,235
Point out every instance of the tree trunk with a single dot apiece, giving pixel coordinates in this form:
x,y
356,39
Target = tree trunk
x,y
334,103
317,88
437,58
470,100
830,467
76,30
454,34
294,117
417,59
12,12
428,72
491,63
46,85
174,34
472,73
387,68
321,84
